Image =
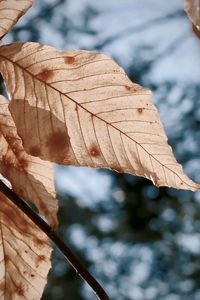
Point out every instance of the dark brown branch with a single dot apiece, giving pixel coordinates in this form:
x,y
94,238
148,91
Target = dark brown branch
x,y
66,251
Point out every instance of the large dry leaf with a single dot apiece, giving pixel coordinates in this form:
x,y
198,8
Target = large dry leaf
x,y
31,177
192,7
24,255
86,112
10,12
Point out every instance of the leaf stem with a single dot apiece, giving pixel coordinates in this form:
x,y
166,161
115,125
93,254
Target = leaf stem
x,y
48,230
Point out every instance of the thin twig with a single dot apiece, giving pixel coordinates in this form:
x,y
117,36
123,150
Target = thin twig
x,y
66,251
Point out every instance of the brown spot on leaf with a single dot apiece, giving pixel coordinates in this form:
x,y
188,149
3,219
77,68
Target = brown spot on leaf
x,y
7,160
34,151
55,144
69,59
128,87
94,151
6,259
46,74
39,242
20,290
140,110
131,88
23,162
39,259
58,145
2,286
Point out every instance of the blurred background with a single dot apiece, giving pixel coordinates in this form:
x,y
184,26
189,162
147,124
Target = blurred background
x,y
141,243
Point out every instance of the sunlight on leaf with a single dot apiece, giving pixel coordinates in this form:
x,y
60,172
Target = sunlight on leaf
x,y
24,255
10,12
86,112
31,178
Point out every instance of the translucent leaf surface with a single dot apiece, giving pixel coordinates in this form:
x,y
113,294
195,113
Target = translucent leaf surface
x,y
10,12
31,177
86,112
24,255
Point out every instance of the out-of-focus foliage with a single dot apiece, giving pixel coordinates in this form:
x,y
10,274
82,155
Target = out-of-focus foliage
x,y
140,242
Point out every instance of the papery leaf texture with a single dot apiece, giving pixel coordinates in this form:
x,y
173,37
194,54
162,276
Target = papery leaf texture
x,y
192,7
24,255
10,12
86,112
31,178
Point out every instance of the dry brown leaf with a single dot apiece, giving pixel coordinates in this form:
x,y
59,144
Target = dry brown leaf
x,y
31,177
10,12
86,112
24,255
192,7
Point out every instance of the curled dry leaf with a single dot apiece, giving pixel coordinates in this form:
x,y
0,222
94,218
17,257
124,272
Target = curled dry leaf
x,y
31,177
24,255
192,7
10,12
86,112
